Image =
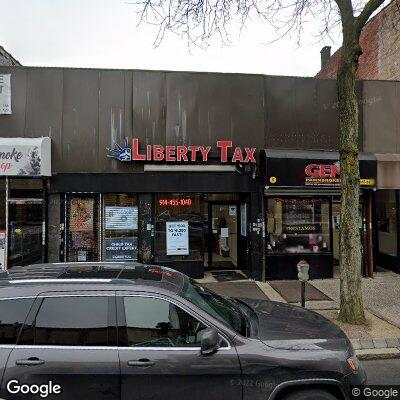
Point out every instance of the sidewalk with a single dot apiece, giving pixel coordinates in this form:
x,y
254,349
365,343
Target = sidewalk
x,y
379,339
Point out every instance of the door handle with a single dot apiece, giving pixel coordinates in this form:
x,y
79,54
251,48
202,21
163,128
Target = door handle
x,y
31,361
143,362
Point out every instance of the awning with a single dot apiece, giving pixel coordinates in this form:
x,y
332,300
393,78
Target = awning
x,y
311,169
25,156
388,171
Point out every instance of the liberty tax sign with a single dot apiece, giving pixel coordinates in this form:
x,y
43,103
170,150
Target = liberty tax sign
x,y
25,156
177,238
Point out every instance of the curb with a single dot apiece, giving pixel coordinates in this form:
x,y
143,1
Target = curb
x,y
376,343
378,354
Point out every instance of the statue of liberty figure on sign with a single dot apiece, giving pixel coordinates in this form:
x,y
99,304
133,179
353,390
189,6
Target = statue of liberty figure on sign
x,y
121,153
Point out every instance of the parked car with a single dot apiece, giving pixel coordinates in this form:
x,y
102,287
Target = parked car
x,y
109,331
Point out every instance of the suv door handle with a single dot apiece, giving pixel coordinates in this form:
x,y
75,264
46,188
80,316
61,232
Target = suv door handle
x,y
31,361
143,362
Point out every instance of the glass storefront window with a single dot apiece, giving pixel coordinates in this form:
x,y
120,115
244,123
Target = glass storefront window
x,y
386,216
180,228
298,225
120,234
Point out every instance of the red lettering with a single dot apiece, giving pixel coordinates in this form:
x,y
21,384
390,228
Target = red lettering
x,y
325,171
194,150
170,153
158,152
335,170
237,155
149,151
312,170
136,156
204,152
181,153
250,157
224,145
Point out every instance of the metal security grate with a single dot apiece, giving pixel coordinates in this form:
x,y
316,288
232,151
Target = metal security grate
x,y
82,227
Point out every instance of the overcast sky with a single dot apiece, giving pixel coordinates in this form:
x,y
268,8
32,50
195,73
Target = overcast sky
x,y
104,34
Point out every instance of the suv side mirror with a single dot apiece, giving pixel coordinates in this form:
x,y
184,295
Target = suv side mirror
x,y
209,341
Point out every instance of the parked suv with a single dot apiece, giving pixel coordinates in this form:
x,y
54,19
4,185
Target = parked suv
x,y
108,331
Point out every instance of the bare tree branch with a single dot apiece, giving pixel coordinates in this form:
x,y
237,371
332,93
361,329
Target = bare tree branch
x,y
369,9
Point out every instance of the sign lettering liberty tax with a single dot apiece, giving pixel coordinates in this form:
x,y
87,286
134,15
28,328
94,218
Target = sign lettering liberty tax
x,y
5,93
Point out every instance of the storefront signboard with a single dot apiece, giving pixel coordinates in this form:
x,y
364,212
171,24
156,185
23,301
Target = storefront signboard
x,y
25,157
182,154
121,218
2,249
121,248
313,169
5,94
177,238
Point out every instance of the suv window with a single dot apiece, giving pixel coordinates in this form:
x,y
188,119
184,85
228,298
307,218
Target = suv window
x,y
12,316
69,321
152,322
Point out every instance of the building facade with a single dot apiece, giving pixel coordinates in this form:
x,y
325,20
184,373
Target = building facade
x,y
191,170
380,44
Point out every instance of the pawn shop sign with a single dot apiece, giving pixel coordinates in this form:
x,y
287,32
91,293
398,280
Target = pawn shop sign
x,y
182,153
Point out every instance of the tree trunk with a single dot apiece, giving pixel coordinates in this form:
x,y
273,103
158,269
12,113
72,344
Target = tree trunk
x,y
351,301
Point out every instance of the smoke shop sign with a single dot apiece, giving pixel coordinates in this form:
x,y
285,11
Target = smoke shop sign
x,y
25,157
159,153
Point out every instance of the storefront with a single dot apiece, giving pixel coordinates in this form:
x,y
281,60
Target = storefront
x,y
24,165
387,206
302,211
191,212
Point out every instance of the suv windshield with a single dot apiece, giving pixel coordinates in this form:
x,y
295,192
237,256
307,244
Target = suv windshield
x,y
224,309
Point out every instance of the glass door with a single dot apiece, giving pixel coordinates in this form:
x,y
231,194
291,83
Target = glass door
x,y
223,236
25,232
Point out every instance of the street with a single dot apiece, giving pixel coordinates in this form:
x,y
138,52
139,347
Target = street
x,y
383,372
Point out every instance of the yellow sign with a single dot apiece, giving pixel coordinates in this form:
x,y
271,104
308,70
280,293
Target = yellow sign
x,y
272,179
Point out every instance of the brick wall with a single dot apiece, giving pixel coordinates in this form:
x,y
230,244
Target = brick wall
x,y
380,43
6,59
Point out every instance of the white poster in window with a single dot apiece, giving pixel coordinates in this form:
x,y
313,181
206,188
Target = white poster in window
x,y
232,211
224,232
121,218
82,255
177,238
243,219
5,94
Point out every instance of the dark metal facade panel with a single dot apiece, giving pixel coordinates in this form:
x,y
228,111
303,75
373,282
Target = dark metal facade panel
x,y
80,132
14,125
44,108
149,107
381,116
203,108
112,127
303,113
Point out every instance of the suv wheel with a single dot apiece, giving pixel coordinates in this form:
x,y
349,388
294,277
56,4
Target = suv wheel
x,y
310,394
